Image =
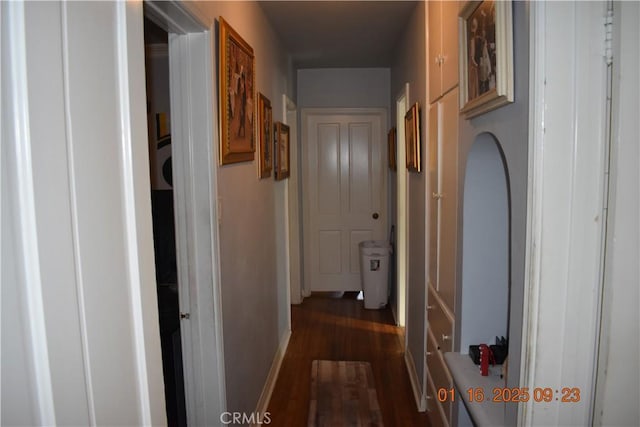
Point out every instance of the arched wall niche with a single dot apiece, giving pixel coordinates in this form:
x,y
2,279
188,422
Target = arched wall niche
x,y
486,261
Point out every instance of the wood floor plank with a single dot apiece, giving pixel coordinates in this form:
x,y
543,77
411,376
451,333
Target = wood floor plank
x,y
325,328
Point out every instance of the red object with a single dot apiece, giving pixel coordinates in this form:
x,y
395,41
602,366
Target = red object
x,y
486,357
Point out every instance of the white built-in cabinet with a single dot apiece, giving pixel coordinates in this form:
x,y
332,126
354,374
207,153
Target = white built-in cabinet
x,y
442,149
443,236
443,47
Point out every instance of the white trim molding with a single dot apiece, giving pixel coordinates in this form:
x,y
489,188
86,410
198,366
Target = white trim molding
x,y
418,395
567,154
16,149
193,103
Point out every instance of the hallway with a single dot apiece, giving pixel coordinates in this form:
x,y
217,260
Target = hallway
x,y
328,327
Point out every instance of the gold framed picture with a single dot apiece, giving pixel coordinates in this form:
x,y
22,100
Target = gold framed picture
x,y
412,138
265,137
486,56
237,97
391,142
281,152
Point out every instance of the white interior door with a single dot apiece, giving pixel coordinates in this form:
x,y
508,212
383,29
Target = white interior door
x,y
345,193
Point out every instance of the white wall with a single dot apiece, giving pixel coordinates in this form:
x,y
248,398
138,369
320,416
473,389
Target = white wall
x,y
618,386
409,66
250,226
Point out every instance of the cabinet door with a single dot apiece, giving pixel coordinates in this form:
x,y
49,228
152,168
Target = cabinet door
x,y
449,209
435,49
435,190
449,27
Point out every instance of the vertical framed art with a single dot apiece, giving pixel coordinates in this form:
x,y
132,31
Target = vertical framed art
x,y
265,137
391,143
281,152
412,138
237,96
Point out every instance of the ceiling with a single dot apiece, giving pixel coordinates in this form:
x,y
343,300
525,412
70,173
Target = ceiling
x,y
339,34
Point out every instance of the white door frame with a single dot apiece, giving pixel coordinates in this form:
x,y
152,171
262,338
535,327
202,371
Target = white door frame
x,y
193,104
294,267
565,209
402,214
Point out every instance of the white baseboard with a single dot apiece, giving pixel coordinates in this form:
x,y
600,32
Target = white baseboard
x,y
421,401
269,385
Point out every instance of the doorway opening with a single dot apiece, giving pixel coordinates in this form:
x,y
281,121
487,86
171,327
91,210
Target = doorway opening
x,y
486,261
191,43
162,209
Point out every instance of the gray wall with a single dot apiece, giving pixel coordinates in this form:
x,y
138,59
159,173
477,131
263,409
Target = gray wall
x,y
484,295
251,306
343,87
410,66
510,126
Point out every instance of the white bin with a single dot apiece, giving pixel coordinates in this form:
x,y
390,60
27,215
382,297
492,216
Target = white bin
x,y
374,272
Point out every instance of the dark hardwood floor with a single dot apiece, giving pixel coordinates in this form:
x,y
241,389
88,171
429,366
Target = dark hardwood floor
x,y
326,327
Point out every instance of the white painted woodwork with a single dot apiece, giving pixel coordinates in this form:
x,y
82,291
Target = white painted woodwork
x,y
438,372
450,57
433,197
195,190
448,184
567,166
441,197
296,292
618,381
435,49
85,287
443,47
402,211
345,186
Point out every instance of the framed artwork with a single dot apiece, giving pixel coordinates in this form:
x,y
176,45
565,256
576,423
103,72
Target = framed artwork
x,y
237,95
486,56
412,138
265,137
392,148
281,152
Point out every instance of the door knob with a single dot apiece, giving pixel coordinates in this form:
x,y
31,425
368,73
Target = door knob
x,y
375,215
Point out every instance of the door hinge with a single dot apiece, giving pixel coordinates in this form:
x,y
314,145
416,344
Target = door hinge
x,y
184,315
608,36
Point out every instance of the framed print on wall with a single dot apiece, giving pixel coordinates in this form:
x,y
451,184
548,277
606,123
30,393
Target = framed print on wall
x,y
265,137
412,138
281,152
486,56
391,142
236,80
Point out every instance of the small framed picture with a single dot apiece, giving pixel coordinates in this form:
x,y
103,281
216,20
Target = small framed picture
x,y
412,138
265,137
486,56
237,97
281,152
392,148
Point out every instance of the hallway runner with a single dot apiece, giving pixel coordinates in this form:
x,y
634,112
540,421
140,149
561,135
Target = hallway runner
x,y
343,394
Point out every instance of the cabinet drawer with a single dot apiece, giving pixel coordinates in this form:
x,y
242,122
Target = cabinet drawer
x,y
440,322
436,367
437,414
